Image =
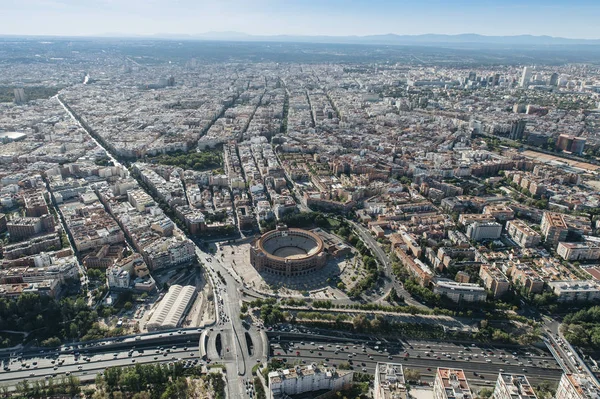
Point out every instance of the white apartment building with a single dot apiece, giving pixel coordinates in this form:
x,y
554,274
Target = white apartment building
x,y
576,386
576,290
513,386
118,277
460,292
307,378
484,231
389,381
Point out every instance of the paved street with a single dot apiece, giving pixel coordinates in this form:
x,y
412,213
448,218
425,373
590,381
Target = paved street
x,y
481,363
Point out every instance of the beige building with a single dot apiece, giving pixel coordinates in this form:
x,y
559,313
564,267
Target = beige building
x,y
527,277
499,211
578,250
494,280
451,384
554,228
522,234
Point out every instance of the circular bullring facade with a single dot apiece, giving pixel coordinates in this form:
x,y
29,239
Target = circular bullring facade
x,y
288,252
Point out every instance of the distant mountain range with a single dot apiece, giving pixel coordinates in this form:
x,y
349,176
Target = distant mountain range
x,y
390,39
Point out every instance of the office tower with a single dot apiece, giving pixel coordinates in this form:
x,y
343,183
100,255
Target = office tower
x,y
526,77
576,386
513,386
451,384
554,79
20,97
517,129
496,79
578,145
472,76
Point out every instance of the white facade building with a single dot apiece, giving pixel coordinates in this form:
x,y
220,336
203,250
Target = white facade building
x,y
513,386
484,231
576,290
576,386
460,292
389,381
307,379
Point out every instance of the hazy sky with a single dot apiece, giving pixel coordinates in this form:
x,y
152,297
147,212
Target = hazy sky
x,y
565,18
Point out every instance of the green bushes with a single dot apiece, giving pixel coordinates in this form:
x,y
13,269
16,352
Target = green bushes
x,y
193,160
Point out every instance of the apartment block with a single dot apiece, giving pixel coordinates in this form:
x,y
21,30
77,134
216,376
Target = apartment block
x,y
451,384
415,267
494,280
578,250
479,231
467,218
309,378
522,234
513,386
459,292
500,212
576,290
527,277
576,386
389,381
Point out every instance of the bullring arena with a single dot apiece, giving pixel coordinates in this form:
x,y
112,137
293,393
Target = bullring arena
x,y
288,252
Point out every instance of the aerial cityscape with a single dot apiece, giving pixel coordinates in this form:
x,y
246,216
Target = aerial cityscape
x,y
271,216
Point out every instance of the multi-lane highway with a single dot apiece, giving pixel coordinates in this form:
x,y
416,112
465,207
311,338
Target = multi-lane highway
x,y
481,363
85,361
242,347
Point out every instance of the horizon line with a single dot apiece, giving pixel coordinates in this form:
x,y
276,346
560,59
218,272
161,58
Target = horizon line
x,y
200,35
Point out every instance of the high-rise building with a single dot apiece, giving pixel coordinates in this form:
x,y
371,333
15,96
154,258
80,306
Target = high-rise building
x,y
573,144
389,381
496,79
517,129
513,386
525,77
20,96
576,386
553,79
451,384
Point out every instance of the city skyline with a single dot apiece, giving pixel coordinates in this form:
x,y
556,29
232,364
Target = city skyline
x,y
308,18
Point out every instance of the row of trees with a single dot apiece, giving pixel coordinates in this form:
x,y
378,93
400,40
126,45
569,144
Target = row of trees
x,y
299,220
155,381
43,388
